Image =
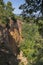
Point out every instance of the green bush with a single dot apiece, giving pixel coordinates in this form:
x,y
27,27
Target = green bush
x,y
31,44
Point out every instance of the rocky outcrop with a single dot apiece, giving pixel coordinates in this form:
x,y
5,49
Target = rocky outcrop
x,y
12,35
15,30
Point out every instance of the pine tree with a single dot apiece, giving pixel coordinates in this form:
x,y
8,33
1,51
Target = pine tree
x,y
32,6
9,9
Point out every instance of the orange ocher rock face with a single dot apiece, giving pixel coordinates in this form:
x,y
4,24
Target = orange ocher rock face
x,y
12,36
15,35
16,32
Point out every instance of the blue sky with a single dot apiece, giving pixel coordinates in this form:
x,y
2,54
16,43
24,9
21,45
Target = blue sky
x,y
16,4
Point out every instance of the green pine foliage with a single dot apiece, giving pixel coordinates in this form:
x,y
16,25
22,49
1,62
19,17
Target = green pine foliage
x,y
6,11
32,45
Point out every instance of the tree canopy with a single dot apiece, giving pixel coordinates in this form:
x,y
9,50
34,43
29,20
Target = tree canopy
x,y
6,11
32,6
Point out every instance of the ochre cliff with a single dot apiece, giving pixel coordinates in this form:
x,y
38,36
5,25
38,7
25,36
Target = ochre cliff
x,y
12,36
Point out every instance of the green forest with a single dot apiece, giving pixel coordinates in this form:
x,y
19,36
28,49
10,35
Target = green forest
x,y
32,33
